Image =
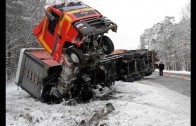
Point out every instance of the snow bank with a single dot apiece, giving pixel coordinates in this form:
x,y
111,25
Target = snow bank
x,y
135,104
177,72
11,87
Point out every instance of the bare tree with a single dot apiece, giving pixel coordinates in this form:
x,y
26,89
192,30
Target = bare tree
x,y
21,18
171,41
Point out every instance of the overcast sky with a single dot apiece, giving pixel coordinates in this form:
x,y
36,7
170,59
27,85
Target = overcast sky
x,y
134,16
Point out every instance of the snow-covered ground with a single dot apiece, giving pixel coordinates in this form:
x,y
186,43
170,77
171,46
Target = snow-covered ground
x,y
136,104
176,72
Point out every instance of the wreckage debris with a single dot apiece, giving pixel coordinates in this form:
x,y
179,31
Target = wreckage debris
x,y
97,116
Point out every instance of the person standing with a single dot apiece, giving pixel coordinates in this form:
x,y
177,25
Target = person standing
x,y
161,68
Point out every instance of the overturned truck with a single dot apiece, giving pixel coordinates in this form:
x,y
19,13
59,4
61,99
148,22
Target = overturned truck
x,y
49,81
77,56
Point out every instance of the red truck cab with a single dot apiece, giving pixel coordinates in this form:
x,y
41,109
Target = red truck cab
x,y
76,31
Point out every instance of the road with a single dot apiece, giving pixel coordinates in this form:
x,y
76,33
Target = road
x,y
177,75
177,82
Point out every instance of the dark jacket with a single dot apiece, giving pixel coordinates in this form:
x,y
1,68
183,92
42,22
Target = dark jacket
x,y
161,66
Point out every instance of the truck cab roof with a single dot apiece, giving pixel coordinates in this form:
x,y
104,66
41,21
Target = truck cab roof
x,y
77,11
70,7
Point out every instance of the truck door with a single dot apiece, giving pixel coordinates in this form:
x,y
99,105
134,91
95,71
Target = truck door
x,y
47,31
50,35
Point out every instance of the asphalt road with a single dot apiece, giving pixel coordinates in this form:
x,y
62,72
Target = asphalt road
x,y
176,75
173,81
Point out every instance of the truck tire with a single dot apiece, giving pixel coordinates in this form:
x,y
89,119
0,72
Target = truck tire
x,y
136,55
143,55
108,45
129,79
76,55
148,73
86,93
136,78
128,56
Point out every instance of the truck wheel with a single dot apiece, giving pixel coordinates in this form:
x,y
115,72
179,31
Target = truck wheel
x,y
129,79
137,55
143,55
136,78
76,55
86,93
148,73
108,45
129,56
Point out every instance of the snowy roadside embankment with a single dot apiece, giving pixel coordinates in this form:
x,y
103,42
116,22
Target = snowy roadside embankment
x,y
135,104
176,72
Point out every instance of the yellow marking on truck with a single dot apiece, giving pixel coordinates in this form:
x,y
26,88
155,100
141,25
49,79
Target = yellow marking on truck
x,y
41,40
60,25
75,11
44,44
69,21
65,18
68,18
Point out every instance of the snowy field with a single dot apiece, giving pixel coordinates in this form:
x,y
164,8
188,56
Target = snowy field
x,y
136,104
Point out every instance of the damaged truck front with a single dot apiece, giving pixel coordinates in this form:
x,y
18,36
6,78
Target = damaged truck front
x,y
77,31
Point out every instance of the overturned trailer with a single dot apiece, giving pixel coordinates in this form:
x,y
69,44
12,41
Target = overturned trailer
x,y
45,79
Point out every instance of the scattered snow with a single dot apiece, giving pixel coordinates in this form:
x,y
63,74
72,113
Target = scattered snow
x,y
11,87
136,104
18,2
27,18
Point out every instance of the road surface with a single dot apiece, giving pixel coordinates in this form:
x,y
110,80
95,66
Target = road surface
x,y
177,82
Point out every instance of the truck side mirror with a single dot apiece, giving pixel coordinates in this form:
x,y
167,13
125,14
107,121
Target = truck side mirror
x,y
49,15
52,13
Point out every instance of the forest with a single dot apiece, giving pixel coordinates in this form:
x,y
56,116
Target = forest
x,y
21,17
171,41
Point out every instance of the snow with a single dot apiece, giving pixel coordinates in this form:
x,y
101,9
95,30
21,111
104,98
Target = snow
x,y
135,104
177,72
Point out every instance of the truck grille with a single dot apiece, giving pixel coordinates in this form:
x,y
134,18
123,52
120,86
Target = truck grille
x,y
97,23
